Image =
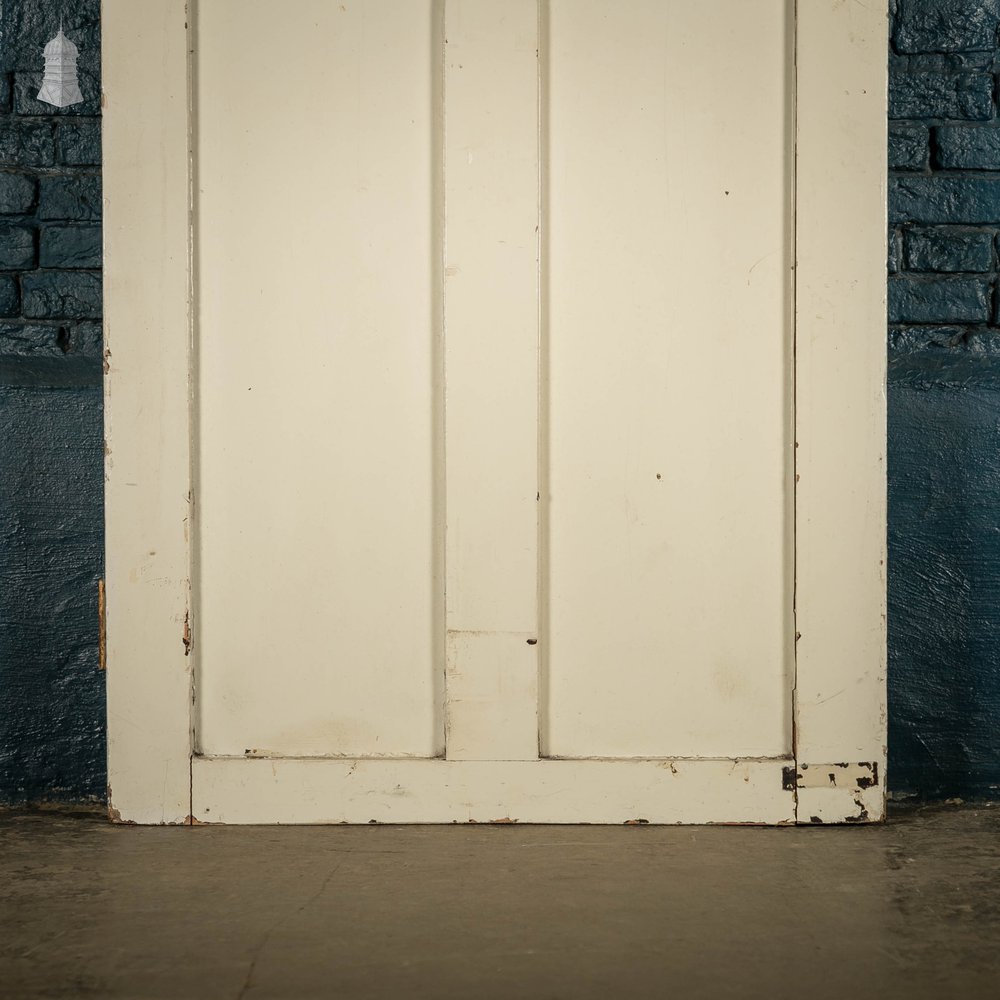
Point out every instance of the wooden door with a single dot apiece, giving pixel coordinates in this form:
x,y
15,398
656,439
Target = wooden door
x,y
495,410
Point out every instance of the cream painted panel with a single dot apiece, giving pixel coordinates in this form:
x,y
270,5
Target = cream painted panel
x,y
491,369
319,577
668,355
232,790
491,313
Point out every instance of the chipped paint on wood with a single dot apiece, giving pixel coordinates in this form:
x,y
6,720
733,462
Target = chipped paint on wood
x,y
831,804
840,775
114,816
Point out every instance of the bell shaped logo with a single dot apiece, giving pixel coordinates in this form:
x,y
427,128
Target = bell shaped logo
x,y
59,85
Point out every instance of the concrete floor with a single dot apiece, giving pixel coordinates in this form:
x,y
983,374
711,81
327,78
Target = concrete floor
x,y
910,909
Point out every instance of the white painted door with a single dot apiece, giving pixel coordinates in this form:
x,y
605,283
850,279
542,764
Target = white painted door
x,y
521,374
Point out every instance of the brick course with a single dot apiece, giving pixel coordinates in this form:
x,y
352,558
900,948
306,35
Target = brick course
x,y
944,172
50,199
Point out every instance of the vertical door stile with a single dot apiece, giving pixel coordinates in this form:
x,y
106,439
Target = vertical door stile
x,y
840,412
147,448
491,379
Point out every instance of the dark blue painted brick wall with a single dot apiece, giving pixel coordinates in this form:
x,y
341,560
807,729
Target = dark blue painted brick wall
x,y
944,406
51,480
944,399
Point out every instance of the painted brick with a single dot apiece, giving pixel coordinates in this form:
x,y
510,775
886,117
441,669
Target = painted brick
x,y
17,193
909,339
944,589
26,87
70,246
941,62
22,339
942,95
87,339
947,249
26,143
10,296
961,200
904,340
50,340
893,251
939,300
59,294
17,247
71,198
52,712
51,533
28,24
945,25
80,143
909,147
975,147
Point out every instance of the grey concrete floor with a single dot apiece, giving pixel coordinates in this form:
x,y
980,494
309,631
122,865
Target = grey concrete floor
x,y
910,909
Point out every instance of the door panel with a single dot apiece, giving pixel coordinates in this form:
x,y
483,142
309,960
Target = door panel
x,y
669,378
319,568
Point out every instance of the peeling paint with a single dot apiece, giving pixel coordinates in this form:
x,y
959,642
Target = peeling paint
x,y
114,816
872,779
862,816
841,774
